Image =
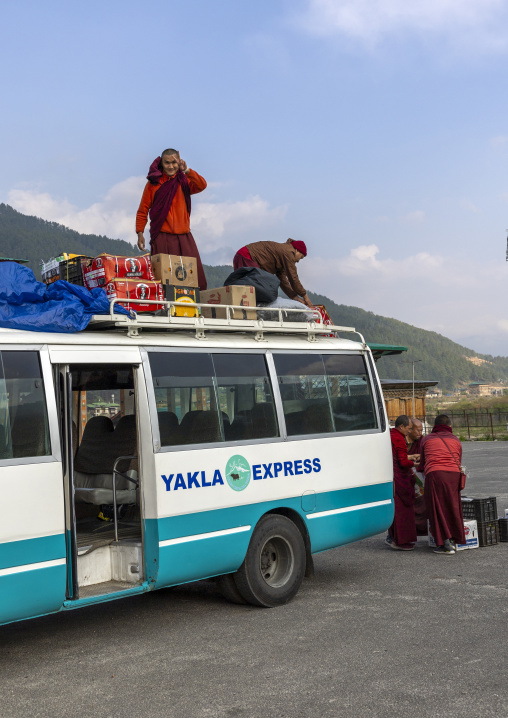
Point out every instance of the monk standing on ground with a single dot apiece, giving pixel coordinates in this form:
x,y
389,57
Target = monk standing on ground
x,y
441,458
414,440
167,200
402,532
279,259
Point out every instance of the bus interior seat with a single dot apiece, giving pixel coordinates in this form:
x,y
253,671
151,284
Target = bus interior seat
x,y
264,423
168,427
317,419
205,428
100,446
28,430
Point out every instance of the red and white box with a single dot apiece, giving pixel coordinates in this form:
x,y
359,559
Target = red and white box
x,y
103,269
134,294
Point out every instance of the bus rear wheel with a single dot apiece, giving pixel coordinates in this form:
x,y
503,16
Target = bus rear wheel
x,y
274,566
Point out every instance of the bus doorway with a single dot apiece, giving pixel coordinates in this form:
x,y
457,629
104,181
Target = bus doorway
x,y
104,512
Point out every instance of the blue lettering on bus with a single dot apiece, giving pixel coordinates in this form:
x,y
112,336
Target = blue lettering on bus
x,y
256,472
192,480
179,483
217,478
259,471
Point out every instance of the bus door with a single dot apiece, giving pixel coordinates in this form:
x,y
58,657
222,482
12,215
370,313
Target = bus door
x,y
32,523
103,478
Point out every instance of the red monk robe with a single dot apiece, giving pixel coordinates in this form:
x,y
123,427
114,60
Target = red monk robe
x,y
175,236
403,528
441,456
420,513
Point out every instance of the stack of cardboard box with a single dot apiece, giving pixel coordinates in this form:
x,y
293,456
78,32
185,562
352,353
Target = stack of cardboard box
x,y
179,280
126,278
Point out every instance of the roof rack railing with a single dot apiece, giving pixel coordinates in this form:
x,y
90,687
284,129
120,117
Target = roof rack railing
x,y
259,327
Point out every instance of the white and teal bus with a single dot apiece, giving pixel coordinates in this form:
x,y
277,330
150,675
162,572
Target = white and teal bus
x,y
223,448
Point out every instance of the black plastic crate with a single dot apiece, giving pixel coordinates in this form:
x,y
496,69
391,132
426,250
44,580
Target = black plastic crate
x,y
503,529
479,509
71,270
488,533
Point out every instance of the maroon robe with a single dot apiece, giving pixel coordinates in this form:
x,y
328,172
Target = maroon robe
x,y
442,485
403,528
420,512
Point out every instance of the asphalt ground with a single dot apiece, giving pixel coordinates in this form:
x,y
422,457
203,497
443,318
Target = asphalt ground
x,y
376,633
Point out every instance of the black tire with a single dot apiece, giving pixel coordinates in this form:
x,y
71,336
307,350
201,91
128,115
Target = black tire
x,y
227,587
274,566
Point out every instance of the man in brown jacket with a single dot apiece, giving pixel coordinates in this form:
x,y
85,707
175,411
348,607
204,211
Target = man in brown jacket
x,y
279,258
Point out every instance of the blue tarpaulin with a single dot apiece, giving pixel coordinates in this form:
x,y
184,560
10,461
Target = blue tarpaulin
x,y
28,304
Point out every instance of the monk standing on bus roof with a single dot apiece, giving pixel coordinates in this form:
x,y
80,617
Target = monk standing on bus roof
x,y
167,200
279,258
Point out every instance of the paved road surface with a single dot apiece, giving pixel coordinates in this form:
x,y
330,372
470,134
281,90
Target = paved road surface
x,y
377,633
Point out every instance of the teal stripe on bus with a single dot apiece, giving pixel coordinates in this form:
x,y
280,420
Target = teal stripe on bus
x,y
215,555
33,550
32,593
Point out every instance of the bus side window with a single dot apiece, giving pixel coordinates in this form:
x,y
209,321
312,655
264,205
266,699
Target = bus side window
x,y
185,393
245,396
304,393
24,429
350,392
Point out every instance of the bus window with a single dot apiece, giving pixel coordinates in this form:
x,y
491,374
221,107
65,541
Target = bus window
x,y
24,430
350,392
303,388
245,397
186,398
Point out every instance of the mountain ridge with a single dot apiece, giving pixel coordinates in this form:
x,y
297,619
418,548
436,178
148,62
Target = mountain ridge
x,y
28,237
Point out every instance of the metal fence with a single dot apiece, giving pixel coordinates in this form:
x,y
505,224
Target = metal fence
x,y
479,425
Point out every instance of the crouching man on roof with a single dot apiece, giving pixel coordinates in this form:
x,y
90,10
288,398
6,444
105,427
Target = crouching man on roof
x,y
279,258
167,200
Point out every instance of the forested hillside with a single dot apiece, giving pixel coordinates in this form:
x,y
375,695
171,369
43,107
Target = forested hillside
x,y
441,359
23,237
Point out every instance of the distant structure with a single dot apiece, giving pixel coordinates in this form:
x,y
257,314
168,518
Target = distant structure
x,y
477,388
477,361
398,395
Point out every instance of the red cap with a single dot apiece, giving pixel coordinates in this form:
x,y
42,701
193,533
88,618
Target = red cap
x,y
299,246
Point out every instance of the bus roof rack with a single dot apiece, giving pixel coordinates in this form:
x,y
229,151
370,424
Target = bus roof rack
x,y
169,321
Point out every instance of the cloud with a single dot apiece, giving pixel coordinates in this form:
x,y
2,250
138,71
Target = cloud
x,y
435,292
215,220
114,216
371,20
499,141
415,217
218,224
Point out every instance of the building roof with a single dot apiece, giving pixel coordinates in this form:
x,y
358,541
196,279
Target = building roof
x,y
382,350
406,384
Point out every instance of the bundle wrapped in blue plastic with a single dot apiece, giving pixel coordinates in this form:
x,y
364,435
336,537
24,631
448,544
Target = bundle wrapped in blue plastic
x,y
28,304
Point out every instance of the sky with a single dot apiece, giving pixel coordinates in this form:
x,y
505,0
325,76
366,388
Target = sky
x,y
374,130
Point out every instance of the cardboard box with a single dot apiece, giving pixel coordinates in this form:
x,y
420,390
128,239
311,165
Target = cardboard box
x,y
472,540
106,267
178,271
182,294
135,292
236,295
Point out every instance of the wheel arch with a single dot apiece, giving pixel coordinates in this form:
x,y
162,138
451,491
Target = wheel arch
x,y
296,518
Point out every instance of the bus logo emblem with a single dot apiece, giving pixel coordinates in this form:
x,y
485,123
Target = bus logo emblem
x,y
238,472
